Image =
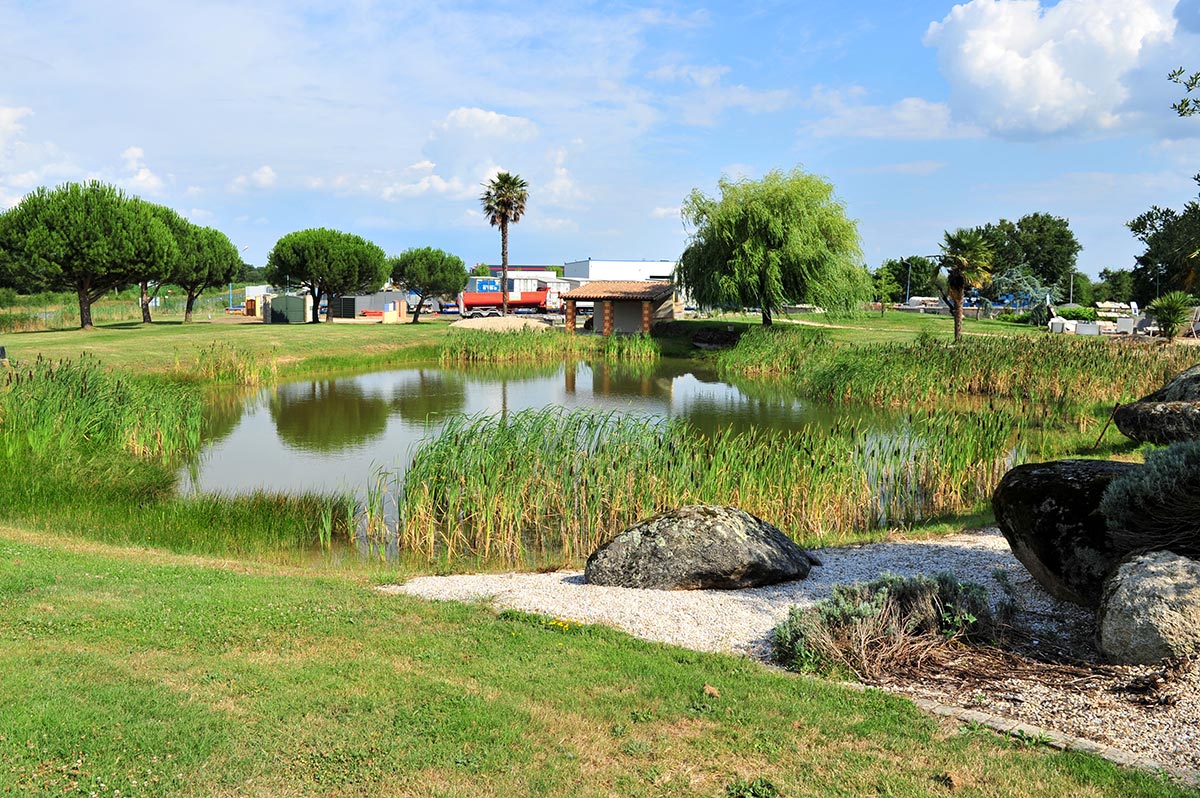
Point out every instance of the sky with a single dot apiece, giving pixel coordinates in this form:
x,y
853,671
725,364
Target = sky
x,y
385,119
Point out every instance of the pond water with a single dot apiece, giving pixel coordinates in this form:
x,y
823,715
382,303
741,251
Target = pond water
x,y
332,434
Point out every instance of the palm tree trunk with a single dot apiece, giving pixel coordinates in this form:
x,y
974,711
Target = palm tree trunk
x,y
504,265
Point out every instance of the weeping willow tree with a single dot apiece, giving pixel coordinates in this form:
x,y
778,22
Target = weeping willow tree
x,y
767,243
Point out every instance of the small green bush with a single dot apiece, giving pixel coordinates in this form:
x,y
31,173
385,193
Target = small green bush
x,y
1157,506
1078,314
1013,317
873,627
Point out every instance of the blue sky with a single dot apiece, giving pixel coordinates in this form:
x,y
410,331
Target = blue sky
x,y
384,119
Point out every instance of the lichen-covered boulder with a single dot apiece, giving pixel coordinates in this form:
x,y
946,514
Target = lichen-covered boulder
x,y
1170,414
1049,513
699,547
1150,610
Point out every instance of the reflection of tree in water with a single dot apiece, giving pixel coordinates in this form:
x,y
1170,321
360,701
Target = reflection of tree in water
x,y
223,409
328,415
428,393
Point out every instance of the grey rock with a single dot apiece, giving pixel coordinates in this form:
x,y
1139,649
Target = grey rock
x,y
1050,515
699,547
1150,610
1170,414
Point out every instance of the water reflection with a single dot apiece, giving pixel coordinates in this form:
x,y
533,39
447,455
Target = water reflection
x,y
332,434
327,415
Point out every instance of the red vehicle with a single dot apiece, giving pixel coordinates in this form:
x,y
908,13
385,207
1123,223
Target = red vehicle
x,y
476,304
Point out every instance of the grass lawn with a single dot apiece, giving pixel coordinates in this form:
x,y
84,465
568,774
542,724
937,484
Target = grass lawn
x,y
135,672
173,346
165,347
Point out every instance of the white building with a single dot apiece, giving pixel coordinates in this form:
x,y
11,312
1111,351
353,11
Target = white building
x,y
584,271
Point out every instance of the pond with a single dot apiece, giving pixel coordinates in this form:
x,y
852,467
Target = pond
x,y
332,434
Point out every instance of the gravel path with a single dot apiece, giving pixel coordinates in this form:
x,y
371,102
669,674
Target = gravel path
x,y
1163,726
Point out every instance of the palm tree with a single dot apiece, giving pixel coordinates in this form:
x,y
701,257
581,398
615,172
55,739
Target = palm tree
x,y
967,259
504,203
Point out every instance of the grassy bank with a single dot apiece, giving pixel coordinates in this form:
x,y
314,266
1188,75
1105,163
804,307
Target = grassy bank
x,y
180,351
1060,370
153,675
95,453
538,346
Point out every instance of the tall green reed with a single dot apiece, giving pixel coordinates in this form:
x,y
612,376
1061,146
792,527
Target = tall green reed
x,y
530,345
506,489
1047,370
50,407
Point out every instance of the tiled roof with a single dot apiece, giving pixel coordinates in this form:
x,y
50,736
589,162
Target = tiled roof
x,y
621,289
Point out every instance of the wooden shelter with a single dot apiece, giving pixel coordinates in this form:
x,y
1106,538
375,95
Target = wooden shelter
x,y
623,306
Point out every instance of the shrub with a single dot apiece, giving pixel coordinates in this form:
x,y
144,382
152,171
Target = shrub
x,y
1171,311
1078,314
891,622
1013,317
1157,506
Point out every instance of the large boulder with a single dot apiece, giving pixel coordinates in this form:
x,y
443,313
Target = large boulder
x,y
1151,610
1049,513
1170,414
699,547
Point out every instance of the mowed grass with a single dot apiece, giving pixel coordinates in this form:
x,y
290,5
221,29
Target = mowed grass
x,y
180,349
155,675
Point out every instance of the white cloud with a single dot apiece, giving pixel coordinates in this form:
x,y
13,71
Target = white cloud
x,y
10,124
141,179
561,188
199,214
1018,68
262,177
488,124
911,118
430,184
25,165
665,212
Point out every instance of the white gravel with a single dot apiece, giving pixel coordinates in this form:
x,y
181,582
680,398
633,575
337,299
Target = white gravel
x,y
740,622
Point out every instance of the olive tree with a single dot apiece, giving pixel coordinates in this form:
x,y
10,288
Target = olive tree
x,y
87,238
328,263
427,272
767,243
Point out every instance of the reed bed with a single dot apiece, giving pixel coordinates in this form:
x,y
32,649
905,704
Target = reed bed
x,y
51,407
223,363
537,483
1058,370
528,345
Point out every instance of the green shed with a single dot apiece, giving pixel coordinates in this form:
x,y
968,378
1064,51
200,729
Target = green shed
x,y
290,309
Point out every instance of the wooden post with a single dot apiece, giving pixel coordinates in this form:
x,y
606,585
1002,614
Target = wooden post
x,y
607,326
570,316
647,316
